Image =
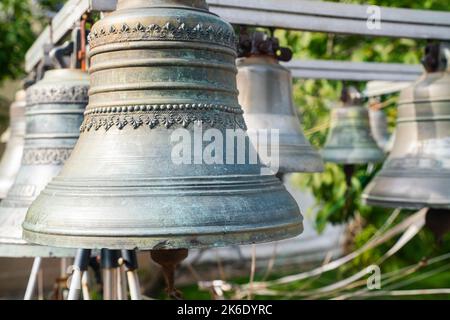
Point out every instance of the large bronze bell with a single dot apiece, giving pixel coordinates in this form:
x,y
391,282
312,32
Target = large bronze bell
x,y
417,172
10,163
350,139
54,113
265,94
158,67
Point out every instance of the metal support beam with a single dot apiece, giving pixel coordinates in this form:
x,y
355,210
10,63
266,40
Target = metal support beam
x,y
308,15
332,17
62,23
354,71
379,88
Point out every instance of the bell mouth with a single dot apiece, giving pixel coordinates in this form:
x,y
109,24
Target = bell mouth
x,y
130,4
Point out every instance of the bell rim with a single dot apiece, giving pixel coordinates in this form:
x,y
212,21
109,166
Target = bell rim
x,y
404,203
310,162
252,235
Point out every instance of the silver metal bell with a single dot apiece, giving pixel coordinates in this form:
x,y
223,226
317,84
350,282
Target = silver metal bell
x,y
417,172
10,163
265,94
54,113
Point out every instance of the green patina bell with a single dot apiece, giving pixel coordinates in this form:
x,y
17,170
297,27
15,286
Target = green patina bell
x,y
159,68
417,172
350,139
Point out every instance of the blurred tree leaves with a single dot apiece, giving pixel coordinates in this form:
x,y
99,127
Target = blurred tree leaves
x,y
15,36
20,22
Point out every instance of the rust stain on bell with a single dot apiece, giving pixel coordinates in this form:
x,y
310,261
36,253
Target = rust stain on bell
x,y
159,66
417,172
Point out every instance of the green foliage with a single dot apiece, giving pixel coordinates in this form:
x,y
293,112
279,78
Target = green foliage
x,y
18,30
16,36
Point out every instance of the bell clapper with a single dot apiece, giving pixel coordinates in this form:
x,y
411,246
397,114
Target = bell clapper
x,y
169,260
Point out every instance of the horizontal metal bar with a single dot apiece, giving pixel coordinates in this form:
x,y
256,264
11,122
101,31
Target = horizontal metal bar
x,y
61,24
379,88
289,14
356,71
322,16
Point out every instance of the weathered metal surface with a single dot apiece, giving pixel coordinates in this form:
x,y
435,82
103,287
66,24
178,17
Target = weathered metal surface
x,y
158,66
10,163
265,94
353,71
417,172
350,139
54,113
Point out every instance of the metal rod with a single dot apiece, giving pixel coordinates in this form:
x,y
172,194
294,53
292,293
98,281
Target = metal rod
x,y
85,286
33,278
133,285
121,284
79,267
130,264
75,282
109,263
40,284
109,284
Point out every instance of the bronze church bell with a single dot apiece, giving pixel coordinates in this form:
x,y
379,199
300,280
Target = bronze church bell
x,y
350,139
159,70
417,172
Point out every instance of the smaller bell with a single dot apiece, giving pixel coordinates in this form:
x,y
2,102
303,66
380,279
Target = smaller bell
x,y
350,139
10,163
54,113
379,126
417,172
265,94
